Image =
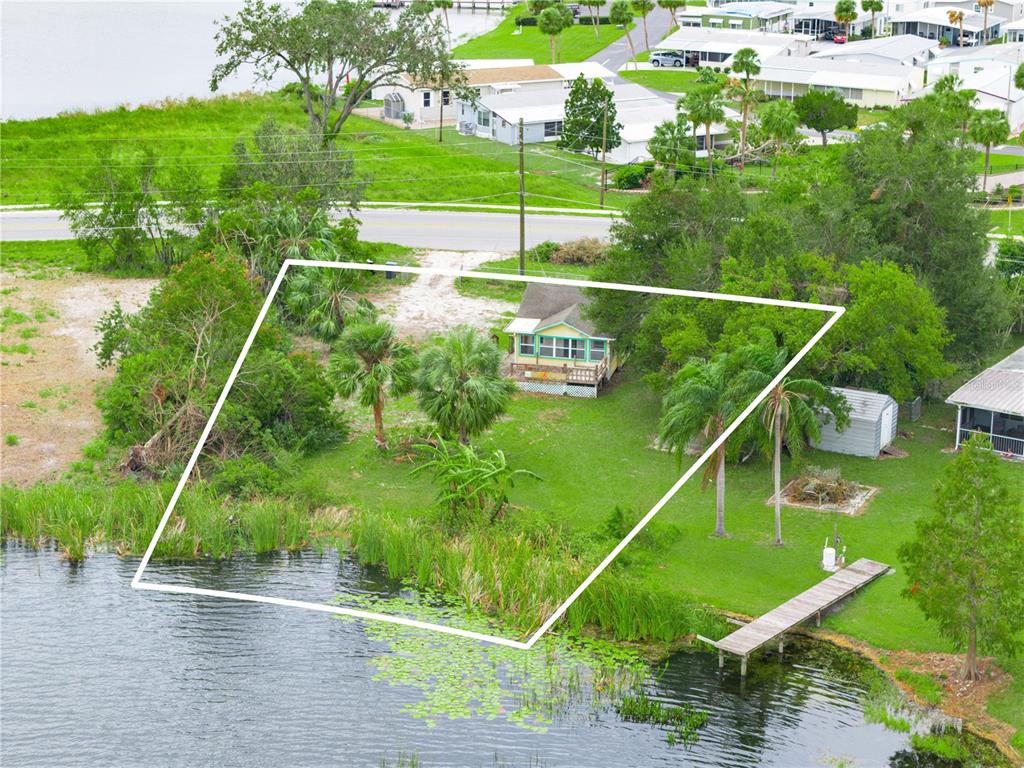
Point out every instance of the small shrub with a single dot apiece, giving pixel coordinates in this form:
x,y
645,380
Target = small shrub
x,y
944,745
95,449
823,486
684,721
586,251
923,685
543,252
246,476
633,176
11,440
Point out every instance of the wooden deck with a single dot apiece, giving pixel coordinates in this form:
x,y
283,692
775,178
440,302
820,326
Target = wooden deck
x,y
810,603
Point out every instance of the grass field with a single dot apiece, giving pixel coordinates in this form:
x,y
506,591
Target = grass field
x,y
671,80
505,290
594,455
999,163
43,157
1007,222
578,42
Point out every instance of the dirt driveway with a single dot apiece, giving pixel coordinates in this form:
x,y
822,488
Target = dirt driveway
x,y
430,304
48,375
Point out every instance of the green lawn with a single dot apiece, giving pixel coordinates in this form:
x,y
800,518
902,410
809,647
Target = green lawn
x,y
664,79
1007,222
596,454
43,157
42,255
579,42
999,163
512,291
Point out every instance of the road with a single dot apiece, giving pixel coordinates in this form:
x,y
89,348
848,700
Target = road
x,y
659,22
456,231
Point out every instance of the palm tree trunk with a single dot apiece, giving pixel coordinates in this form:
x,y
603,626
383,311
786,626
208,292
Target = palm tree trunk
x,y
629,39
720,493
743,134
551,47
440,118
647,41
988,151
378,424
463,434
777,471
594,17
707,147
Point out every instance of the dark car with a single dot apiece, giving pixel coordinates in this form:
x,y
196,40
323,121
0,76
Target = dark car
x,y
668,59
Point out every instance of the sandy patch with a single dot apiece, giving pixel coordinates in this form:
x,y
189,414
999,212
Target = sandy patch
x,y
430,303
47,393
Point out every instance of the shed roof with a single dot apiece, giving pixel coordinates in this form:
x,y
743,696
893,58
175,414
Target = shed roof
x,y
547,304
865,405
897,48
939,16
814,71
999,388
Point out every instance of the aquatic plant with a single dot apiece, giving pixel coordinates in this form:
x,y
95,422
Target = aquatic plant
x,y
683,721
460,678
521,576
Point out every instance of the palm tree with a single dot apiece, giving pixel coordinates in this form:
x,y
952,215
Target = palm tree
x,y
460,383
872,7
641,8
370,360
700,404
672,6
746,63
956,16
670,145
322,299
621,15
550,23
779,119
706,106
787,414
985,5
444,5
595,7
988,127
846,13
286,232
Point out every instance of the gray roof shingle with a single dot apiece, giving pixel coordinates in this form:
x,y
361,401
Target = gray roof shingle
x,y
999,388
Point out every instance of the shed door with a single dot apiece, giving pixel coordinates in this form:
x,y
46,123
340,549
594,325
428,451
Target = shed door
x,y
887,422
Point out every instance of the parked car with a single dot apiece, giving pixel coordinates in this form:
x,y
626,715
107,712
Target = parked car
x,y
668,59
839,38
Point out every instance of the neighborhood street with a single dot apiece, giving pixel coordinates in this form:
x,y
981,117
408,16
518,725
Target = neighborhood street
x,y
417,229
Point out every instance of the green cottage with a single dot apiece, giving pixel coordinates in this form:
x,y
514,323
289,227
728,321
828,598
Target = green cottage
x,y
555,348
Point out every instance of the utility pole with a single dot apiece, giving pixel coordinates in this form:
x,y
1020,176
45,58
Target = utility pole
x,y
522,203
604,151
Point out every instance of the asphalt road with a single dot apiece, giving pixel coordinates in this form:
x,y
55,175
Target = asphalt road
x,y
659,22
418,229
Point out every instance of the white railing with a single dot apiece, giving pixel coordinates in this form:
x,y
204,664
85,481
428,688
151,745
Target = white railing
x,y
1000,443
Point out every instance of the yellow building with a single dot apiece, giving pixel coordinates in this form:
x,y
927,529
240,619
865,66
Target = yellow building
x,y
555,348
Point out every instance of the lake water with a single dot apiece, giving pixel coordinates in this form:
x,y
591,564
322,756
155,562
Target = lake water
x,y
60,56
96,674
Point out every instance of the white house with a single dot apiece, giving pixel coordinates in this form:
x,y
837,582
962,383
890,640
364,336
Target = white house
x,y
933,23
866,84
968,61
638,109
425,103
819,16
1014,31
707,47
762,15
902,50
992,405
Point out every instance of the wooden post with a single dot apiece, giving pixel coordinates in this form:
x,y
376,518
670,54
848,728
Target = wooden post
x,y
721,659
522,203
781,643
743,666
817,619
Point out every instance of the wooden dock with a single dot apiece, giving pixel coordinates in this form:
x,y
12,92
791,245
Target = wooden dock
x,y
810,603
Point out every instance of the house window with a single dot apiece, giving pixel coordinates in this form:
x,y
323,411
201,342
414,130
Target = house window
x,y
562,351
578,349
597,350
552,129
483,117
547,346
426,98
446,98
527,345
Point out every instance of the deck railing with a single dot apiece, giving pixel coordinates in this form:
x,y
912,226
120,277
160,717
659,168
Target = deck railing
x,y
588,375
1000,443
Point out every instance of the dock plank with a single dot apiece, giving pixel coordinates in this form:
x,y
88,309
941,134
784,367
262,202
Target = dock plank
x,y
800,608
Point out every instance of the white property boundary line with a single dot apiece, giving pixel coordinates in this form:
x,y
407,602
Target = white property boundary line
x,y
138,583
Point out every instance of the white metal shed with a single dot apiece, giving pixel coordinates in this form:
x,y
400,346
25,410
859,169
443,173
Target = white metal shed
x,y
872,424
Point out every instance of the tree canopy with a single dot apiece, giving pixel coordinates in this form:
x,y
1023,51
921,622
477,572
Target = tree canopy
x,y
590,117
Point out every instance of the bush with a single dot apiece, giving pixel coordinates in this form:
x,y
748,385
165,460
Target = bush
x,y
633,176
246,476
587,251
543,252
589,21
526,21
